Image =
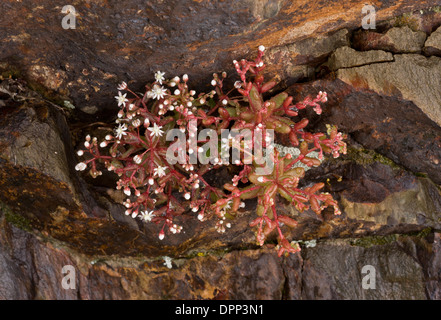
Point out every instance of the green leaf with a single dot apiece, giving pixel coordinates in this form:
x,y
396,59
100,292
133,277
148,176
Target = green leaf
x,y
279,99
255,98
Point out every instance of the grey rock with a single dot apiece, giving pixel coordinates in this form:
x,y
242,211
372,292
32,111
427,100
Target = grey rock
x,y
395,40
411,76
391,271
31,139
433,43
297,57
404,40
346,57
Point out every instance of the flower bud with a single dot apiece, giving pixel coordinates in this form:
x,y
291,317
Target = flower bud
x,y
137,159
81,166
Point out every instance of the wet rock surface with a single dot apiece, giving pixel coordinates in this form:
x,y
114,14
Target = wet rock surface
x,y
384,92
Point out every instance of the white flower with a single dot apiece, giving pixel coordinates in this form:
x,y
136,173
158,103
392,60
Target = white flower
x,y
159,76
158,92
122,86
136,123
137,159
156,130
120,131
81,166
121,98
159,171
168,262
146,216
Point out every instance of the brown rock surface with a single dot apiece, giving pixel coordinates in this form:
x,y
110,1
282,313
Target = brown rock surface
x,y
396,40
112,43
413,77
387,186
391,126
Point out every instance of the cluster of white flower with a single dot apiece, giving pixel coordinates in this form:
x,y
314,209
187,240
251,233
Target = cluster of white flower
x,y
220,224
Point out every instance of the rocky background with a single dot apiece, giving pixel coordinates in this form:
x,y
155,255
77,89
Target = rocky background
x,y
384,89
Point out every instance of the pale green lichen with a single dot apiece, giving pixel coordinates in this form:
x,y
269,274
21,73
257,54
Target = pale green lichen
x,y
295,152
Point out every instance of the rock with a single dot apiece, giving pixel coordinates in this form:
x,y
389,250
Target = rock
x,y
346,57
396,40
413,77
29,138
402,201
34,135
432,264
308,51
433,43
394,271
375,198
50,218
112,44
333,269
393,127
33,270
